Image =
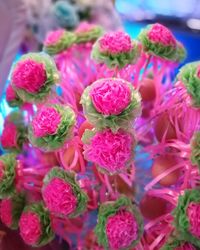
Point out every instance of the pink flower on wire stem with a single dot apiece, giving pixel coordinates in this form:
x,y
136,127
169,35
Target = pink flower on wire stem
x,y
30,228
46,122
53,37
198,72
29,75
121,230
193,212
110,97
9,136
59,197
84,27
109,150
116,43
6,212
10,93
161,34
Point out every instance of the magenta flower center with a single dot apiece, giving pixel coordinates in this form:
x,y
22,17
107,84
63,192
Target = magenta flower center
x,y
198,72
121,230
115,43
6,212
109,150
29,75
46,122
84,27
193,212
9,136
53,37
110,97
30,227
59,197
160,34
10,94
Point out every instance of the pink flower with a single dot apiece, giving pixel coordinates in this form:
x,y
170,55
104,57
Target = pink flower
x,y
193,212
161,34
1,170
30,227
198,72
29,75
110,96
46,122
6,212
115,43
53,37
10,94
9,136
121,230
109,150
59,197
186,246
84,27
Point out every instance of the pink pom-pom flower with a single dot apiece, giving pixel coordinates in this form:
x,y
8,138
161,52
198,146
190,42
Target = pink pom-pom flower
x,y
33,225
62,194
30,228
111,102
9,136
10,94
115,43
6,212
84,27
59,197
29,75
46,122
112,152
187,216
12,98
33,77
193,212
121,229
120,224
54,37
110,97
11,209
13,136
51,127
161,34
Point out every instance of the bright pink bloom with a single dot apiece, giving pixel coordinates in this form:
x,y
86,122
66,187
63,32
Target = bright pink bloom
x,y
121,230
84,27
30,227
193,212
46,122
198,72
10,93
109,150
29,75
115,43
186,246
110,97
9,136
6,212
59,197
1,170
161,34
53,37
